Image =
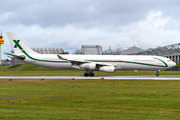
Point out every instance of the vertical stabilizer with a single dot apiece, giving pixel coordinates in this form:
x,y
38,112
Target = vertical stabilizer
x,y
18,45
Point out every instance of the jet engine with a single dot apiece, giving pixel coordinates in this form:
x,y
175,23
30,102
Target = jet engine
x,y
89,66
109,69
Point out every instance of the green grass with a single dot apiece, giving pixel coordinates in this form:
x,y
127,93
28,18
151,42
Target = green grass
x,y
32,70
177,65
87,99
90,99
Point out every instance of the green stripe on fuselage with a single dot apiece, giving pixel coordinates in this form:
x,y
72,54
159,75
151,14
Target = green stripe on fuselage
x,y
42,60
131,62
161,61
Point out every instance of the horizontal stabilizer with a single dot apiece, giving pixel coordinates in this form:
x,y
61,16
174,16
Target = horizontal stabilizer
x,y
21,57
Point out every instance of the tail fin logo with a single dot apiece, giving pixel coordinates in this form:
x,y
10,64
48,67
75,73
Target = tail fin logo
x,y
17,44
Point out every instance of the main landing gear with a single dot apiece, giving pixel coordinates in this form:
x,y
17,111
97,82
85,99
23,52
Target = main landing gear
x,y
88,74
157,74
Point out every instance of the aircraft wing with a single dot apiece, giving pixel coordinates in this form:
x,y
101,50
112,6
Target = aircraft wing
x,y
21,57
79,62
74,62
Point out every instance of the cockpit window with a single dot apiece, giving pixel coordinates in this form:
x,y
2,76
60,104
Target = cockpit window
x,y
169,60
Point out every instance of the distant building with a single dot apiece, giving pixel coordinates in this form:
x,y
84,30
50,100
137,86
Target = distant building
x,y
114,51
6,62
77,52
169,51
49,51
91,49
131,50
122,51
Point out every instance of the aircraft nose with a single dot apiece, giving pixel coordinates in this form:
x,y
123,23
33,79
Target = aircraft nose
x,y
174,64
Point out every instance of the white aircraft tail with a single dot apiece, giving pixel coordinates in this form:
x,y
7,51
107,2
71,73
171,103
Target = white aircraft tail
x,y
18,45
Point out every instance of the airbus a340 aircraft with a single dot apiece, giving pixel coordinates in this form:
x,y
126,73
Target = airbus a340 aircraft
x,y
88,63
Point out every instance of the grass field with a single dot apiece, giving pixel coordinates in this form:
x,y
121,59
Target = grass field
x,y
90,99
87,99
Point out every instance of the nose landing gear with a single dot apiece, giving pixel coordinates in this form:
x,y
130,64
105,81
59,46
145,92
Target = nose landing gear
x,y
157,74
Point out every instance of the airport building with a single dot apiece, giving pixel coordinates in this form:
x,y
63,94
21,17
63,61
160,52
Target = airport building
x,y
122,51
91,49
97,50
169,51
49,51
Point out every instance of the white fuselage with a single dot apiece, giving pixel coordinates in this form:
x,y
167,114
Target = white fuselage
x,y
121,62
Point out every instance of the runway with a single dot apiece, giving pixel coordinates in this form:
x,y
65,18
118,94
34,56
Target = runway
x,y
95,77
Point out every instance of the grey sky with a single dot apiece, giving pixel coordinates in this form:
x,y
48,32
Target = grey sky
x,y
72,23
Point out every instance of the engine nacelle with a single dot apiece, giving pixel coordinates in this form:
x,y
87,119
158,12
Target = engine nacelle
x,y
89,66
109,69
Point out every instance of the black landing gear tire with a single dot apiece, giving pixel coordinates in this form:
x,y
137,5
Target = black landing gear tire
x,y
157,75
86,74
90,74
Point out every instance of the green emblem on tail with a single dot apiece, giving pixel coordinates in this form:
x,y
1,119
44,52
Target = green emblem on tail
x,y
17,44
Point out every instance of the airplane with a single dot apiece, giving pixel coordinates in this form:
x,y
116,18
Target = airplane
x,y
88,63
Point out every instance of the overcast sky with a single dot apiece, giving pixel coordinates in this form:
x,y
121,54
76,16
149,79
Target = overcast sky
x,y
72,23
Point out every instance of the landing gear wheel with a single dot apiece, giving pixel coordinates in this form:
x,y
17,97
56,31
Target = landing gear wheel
x,y
157,74
86,74
91,74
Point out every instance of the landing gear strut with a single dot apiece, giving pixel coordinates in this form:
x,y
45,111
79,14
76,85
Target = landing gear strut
x,y
157,74
88,74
